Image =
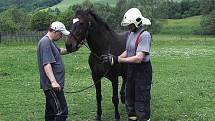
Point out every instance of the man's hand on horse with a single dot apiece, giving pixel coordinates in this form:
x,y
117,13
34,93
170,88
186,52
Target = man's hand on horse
x,y
109,58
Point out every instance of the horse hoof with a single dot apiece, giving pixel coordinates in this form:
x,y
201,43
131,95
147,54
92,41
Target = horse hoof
x,y
98,118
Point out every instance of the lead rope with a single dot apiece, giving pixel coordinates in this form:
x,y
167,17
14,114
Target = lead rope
x,y
81,90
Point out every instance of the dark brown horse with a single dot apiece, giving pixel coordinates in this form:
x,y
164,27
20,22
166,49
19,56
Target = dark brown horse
x,y
101,40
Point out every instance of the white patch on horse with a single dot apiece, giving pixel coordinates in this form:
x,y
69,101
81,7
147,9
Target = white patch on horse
x,y
75,20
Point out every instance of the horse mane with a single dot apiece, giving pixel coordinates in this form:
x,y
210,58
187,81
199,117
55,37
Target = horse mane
x,y
95,16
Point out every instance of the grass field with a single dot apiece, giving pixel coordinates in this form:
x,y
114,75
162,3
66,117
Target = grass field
x,y
66,3
181,26
183,82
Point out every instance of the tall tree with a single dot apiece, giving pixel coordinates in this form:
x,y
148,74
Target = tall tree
x,y
208,23
14,19
207,6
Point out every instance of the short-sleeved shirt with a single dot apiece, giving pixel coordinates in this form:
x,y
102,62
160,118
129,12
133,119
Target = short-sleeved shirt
x,y
49,53
144,44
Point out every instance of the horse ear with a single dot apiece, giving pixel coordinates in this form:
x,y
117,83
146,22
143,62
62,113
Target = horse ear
x,y
90,17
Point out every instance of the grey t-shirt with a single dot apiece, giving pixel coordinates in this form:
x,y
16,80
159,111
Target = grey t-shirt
x,y
47,52
144,44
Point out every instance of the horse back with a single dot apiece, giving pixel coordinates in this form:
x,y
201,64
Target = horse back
x,y
120,43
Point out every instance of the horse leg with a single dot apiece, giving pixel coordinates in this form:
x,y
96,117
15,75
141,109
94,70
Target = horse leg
x,y
97,82
115,98
122,90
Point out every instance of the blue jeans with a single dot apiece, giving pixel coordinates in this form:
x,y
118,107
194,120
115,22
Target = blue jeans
x,y
56,106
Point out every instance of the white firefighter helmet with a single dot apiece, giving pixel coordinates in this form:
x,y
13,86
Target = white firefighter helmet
x,y
134,16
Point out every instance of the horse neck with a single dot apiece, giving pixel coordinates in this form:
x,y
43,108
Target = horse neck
x,y
100,40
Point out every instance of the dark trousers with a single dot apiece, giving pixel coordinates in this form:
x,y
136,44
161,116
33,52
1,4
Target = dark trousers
x,y
56,106
138,88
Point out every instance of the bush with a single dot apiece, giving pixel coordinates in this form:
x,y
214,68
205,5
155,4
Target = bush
x,y
41,20
208,23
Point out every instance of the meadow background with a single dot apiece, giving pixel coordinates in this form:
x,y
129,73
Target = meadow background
x,y
183,86
182,89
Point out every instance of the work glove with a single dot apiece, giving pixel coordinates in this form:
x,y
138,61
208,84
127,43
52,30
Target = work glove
x,y
109,58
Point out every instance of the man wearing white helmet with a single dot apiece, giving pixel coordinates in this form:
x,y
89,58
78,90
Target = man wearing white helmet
x,y
137,55
52,74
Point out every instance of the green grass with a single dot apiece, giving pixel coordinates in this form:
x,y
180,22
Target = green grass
x,y
181,26
183,82
66,3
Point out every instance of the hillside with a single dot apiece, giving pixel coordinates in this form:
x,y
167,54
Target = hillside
x,y
66,3
181,26
29,5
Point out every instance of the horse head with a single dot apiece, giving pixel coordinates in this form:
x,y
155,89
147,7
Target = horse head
x,y
78,31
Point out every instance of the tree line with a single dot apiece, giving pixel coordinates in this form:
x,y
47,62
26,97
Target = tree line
x,y
19,19
29,5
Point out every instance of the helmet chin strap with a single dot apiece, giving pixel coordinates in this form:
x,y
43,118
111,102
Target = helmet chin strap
x,y
134,29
